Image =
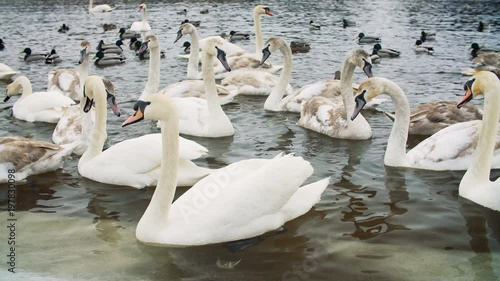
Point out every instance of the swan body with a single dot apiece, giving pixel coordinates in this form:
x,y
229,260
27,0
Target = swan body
x,y
30,56
134,162
362,38
245,203
429,118
99,8
476,185
142,26
196,89
29,157
6,72
252,82
451,148
419,48
329,116
39,106
199,117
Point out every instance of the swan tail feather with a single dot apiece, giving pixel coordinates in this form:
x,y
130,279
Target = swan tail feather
x,y
304,199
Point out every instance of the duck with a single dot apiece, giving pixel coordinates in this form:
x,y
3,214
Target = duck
x,y
481,26
299,47
384,52
475,184
6,72
30,56
63,28
187,47
143,52
476,50
127,34
429,118
183,12
251,202
419,48
329,116
133,162
107,60
53,57
451,148
427,36
491,59
104,8
347,23
313,26
23,157
240,61
375,57
2,45
109,26
362,38
134,44
236,36
39,106
196,23
142,26
110,49
204,11
200,117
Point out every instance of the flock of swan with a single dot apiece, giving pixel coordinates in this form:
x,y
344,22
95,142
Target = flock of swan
x,y
262,194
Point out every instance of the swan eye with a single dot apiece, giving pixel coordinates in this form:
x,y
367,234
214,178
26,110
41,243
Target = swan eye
x,y
468,84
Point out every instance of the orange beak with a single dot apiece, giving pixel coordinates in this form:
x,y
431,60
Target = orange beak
x,y
138,116
467,97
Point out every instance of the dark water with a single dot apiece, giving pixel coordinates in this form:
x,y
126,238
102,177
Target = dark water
x,y
372,223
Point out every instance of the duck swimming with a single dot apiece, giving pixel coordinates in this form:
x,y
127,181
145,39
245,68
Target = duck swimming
x,y
30,56
362,38
419,48
111,59
53,57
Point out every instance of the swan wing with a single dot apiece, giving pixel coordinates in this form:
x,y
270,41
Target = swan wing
x,y
67,81
193,115
252,82
41,101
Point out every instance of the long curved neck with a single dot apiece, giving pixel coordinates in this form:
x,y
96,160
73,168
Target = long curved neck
x,y
395,154
84,73
214,108
154,73
99,133
346,77
145,15
86,119
192,70
273,101
155,216
258,34
90,4
26,85
481,163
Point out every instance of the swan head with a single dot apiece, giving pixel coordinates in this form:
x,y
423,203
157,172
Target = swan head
x,y
142,7
185,28
477,85
262,10
15,88
361,59
95,85
84,51
367,91
212,49
272,45
153,107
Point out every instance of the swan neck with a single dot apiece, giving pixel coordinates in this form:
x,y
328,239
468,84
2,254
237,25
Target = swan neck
x,y
481,163
99,133
145,15
84,73
258,34
210,86
192,71
346,77
26,85
274,100
90,4
156,214
154,73
395,154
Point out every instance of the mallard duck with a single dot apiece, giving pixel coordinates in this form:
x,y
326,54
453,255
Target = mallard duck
x,y
108,60
63,28
110,49
362,38
196,23
385,53
108,26
313,26
203,12
347,22
183,12
299,47
30,56
235,36
127,34
2,45
6,72
53,57
132,43
419,48
426,36
187,47
476,50
143,51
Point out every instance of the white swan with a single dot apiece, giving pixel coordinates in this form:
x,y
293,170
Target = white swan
x,y
6,72
242,200
39,106
23,157
449,149
134,162
476,185
330,116
142,26
99,8
199,117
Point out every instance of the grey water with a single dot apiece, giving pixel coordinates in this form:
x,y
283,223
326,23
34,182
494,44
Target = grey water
x,y
372,223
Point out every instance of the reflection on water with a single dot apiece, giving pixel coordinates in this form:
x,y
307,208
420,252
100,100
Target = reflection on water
x,y
372,223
